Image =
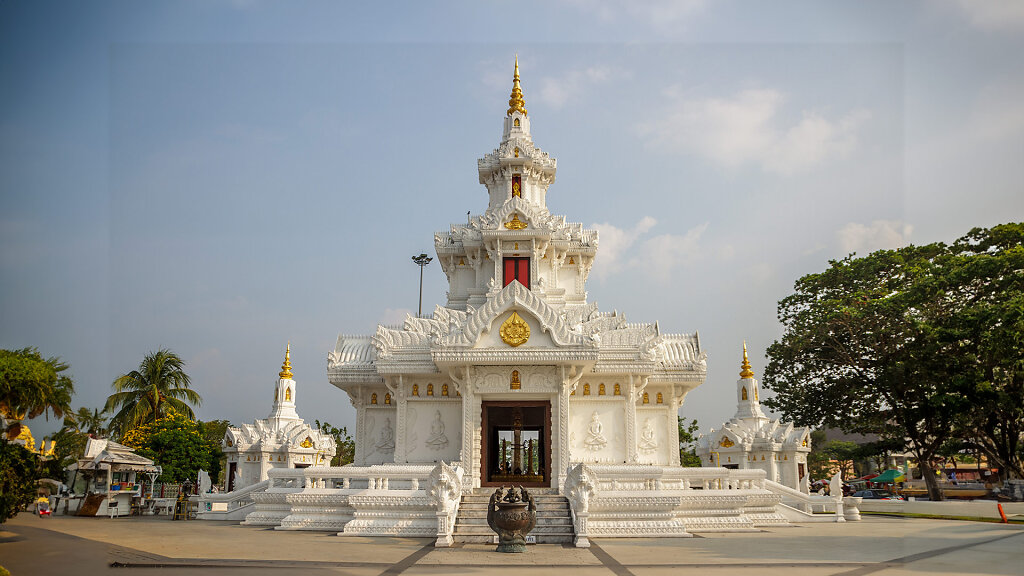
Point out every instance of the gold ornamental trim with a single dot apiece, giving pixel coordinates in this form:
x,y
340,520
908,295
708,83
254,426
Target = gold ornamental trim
x,y
514,330
516,103
515,223
286,368
726,443
745,371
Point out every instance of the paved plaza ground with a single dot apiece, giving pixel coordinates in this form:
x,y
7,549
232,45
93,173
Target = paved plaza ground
x,y
883,546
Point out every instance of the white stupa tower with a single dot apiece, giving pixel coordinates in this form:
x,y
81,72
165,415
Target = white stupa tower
x,y
284,392
282,440
748,398
753,440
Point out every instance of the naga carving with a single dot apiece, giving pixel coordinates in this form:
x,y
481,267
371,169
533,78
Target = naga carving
x,y
580,487
444,488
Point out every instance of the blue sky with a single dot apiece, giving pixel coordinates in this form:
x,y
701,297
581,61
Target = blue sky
x,y
222,178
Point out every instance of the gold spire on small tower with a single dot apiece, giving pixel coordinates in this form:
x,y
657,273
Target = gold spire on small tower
x,y
516,102
286,368
745,371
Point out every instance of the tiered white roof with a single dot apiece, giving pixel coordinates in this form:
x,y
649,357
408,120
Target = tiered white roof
x,y
750,429
283,430
517,223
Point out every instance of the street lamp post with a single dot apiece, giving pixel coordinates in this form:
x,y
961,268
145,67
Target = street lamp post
x,y
422,260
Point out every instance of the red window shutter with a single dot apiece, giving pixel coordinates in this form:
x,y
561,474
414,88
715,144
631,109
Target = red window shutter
x,y
516,269
523,271
510,271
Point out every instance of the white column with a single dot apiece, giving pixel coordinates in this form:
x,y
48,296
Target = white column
x,y
361,439
561,424
401,455
634,396
673,433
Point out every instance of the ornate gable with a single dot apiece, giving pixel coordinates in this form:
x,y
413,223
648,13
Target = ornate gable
x,y
518,297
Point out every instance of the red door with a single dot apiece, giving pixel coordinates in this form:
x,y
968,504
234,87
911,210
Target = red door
x,y
517,269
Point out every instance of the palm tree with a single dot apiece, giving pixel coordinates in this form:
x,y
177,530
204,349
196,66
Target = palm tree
x,y
31,385
144,395
78,427
85,421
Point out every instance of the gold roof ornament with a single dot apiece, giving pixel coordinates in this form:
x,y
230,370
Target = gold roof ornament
x,y
516,102
515,223
514,330
745,371
286,368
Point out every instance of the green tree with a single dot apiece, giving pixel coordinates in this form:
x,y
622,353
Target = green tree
x,y
688,434
73,435
19,470
918,345
159,386
844,452
175,442
879,451
858,353
983,285
345,446
91,422
213,432
31,385
819,464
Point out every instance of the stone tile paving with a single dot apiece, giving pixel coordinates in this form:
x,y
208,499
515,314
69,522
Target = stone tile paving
x,y
878,545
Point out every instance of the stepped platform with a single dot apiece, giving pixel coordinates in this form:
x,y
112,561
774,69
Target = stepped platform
x,y
554,521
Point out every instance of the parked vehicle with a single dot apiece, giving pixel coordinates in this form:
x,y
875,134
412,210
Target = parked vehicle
x,y
877,495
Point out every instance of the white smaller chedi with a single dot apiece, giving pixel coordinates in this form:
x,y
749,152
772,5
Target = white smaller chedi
x,y
752,440
283,440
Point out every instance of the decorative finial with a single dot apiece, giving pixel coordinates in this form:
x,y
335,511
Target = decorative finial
x,y
516,102
286,368
745,371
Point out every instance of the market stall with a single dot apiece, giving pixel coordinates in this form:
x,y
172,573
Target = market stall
x,y
114,476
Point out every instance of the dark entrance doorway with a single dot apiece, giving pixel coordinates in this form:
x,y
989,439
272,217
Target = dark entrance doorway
x,y
516,444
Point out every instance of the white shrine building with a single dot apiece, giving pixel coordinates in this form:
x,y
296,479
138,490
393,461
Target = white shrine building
x,y
752,440
517,340
516,380
282,440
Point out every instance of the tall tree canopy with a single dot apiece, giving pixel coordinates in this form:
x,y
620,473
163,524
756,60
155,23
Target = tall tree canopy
x,y
688,435
159,386
985,283
31,385
917,344
178,444
19,470
78,427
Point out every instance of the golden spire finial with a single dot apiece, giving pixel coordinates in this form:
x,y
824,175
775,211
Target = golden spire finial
x,y
286,368
516,102
745,371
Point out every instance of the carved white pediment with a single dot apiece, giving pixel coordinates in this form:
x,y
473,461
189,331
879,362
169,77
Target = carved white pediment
x,y
517,296
388,339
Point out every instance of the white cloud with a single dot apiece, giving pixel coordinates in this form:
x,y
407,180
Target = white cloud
x,y
746,129
615,242
879,235
666,252
555,92
658,256
994,14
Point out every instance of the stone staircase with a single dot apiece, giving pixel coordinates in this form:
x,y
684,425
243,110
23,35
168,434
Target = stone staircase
x,y
554,522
